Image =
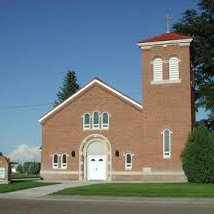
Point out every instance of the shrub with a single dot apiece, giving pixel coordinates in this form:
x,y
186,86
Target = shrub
x,y
198,156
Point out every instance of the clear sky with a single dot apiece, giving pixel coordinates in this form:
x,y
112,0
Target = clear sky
x,y
40,40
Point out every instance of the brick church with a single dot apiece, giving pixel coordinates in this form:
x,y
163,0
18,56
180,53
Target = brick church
x,y
99,133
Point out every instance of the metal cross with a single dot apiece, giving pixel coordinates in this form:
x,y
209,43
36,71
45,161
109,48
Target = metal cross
x,y
167,18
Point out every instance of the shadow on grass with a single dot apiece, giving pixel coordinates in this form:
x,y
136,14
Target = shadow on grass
x,y
17,181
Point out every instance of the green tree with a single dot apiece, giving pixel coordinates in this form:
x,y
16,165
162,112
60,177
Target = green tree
x,y
199,24
68,88
34,168
19,168
31,167
198,156
26,167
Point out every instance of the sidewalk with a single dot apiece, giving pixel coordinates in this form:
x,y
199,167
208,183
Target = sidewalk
x,y
38,192
42,193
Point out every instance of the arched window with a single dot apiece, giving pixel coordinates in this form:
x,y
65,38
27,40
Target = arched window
x,y
55,161
105,120
86,121
173,68
166,143
64,161
96,120
157,69
128,161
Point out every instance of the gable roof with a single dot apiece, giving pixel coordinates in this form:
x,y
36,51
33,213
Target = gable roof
x,y
166,38
94,81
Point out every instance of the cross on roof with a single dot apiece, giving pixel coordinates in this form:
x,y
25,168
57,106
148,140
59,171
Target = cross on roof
x,y
168,18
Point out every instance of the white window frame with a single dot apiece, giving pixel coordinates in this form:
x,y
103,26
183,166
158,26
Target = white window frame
x,y
86,126
96,126
64,165
105,125
55,165
170,68
166,155
128,166
154,62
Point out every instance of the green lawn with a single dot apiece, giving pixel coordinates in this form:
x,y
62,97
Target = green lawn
x,y
143,190
23,175
20,185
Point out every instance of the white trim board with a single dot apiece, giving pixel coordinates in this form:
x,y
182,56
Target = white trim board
x,y
165,81
83,89
169,42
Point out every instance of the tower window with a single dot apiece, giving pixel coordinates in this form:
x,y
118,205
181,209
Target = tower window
x,y
166,144
173,68
157,69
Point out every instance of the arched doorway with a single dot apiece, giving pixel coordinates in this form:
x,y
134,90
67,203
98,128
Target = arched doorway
x,y
95,158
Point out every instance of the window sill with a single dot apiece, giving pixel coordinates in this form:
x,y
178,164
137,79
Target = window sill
x,y
128,169
166,157
96,129
104,128
165,82
64,168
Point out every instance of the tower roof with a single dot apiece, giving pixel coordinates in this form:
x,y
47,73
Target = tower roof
x,y
165,37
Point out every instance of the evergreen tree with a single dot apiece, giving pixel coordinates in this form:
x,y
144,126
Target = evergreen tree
x,y
199,24
197,156
69,87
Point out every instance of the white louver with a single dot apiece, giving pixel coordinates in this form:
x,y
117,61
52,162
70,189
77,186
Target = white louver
x,y
173,68
157,69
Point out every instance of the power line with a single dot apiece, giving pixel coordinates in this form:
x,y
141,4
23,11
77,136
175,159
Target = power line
x,y
24,106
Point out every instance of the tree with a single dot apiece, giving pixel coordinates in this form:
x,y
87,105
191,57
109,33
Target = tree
x,y
19,168
199,24
34,168
26,167
31,167
198,156
69,87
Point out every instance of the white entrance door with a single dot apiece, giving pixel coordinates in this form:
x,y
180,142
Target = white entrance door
x,y
96,169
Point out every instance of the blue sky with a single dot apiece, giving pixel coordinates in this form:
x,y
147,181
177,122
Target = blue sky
x,y
40,40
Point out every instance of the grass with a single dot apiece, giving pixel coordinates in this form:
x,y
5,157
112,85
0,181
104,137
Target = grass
x,y
142,190
23,175
20,185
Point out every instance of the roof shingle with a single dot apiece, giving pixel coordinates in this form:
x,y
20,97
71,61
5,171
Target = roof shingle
x,y
165,37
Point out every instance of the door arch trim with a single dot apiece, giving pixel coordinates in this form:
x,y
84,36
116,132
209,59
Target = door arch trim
x,y
83,156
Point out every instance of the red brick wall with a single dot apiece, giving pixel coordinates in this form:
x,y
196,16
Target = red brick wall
x,y
166,106
130,128
63,132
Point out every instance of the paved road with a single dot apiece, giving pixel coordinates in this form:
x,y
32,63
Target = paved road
x,y
17,206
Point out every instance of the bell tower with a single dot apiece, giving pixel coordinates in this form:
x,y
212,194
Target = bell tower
x,y
167,97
